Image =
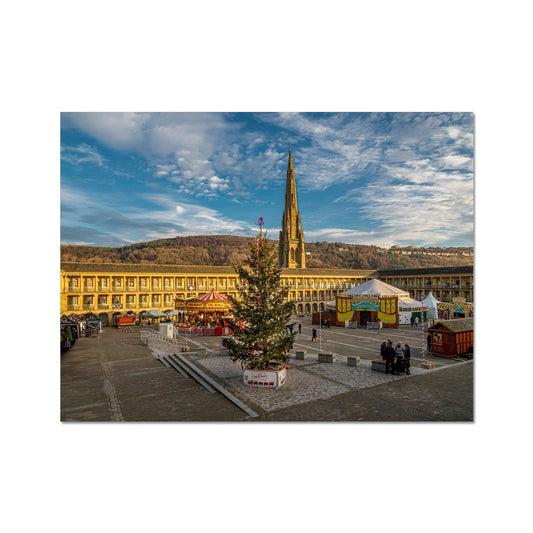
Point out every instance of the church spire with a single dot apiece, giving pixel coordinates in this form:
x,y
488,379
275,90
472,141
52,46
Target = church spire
x,y
291,236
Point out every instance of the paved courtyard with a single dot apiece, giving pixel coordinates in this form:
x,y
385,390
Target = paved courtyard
x,y
116,377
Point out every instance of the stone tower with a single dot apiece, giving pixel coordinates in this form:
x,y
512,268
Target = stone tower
x,y
291,236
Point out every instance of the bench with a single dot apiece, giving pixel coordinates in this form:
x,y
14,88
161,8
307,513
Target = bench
x,y
379,365
327,357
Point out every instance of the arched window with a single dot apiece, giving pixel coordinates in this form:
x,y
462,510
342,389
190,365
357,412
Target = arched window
x,y
292,254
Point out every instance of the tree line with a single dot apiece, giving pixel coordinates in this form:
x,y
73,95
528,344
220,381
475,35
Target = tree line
x,y
225,250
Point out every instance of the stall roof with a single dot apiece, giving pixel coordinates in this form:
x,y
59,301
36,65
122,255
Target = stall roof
x,y
457,325
408,303
375,287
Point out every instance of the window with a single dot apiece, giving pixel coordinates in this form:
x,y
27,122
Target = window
x,y
143,282
75,282
132,282
117,282
104,283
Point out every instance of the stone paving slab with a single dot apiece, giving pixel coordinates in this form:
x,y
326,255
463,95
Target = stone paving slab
x,y
355,377
300,387
116,377
307,380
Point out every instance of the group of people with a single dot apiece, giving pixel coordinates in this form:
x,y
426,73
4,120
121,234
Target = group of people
x,y
398,359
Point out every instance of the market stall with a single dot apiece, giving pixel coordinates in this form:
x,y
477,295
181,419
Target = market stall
x,y
375,301
69,332
457,308
451,338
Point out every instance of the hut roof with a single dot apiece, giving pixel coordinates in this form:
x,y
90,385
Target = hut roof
x,y
457,325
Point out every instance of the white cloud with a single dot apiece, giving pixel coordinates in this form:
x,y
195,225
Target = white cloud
x,y
81,154
164,170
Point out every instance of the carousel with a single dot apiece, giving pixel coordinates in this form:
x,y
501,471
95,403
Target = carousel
x,y
206,314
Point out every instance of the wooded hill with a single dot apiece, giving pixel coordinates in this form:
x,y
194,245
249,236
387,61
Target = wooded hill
x,y
219,250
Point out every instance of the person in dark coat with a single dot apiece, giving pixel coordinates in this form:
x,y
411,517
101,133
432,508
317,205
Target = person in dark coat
x,y
407,359
314,338
429,342
389,354
383,350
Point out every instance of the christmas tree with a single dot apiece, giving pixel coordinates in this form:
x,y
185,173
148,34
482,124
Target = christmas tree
x,y
260,325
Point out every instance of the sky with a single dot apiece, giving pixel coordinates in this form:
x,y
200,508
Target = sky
x,y
363,178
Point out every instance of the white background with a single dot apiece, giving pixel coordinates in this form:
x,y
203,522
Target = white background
x,y
280,56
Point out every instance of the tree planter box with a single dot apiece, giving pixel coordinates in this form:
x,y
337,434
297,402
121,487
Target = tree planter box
x,y
327,357
354,360
267,379
301,354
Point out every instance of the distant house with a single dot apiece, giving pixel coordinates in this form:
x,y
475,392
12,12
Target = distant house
x,y
451,338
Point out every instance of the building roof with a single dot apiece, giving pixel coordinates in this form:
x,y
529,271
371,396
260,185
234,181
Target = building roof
x,y
457,325
148,268
430,271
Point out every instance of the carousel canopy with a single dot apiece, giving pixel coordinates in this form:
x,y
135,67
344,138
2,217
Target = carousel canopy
x,y
212,301
210,296
374,287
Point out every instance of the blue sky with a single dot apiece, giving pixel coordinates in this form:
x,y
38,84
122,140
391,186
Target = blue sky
x,y
362,178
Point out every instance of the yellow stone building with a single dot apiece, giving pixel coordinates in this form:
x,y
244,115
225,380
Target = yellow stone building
x,y
112,289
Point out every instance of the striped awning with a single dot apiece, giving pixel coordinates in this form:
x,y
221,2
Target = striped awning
x,y
210,296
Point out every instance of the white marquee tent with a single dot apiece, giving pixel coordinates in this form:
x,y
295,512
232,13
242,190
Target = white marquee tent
x,y
375,287
431,303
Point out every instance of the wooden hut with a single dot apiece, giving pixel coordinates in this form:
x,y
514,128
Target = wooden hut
x,y
451,338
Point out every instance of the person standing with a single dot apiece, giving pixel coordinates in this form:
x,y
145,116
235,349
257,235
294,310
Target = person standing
x,y
429,342
398,352
416,321
389,354
383,350
412,320
300,329
314,338
407,359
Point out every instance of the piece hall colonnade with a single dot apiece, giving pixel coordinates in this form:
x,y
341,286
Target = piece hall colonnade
x,y
112,289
